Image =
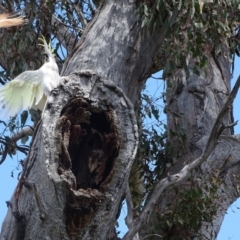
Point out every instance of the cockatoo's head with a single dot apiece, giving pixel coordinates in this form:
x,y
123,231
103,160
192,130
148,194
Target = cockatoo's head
x,y
31,88
47,47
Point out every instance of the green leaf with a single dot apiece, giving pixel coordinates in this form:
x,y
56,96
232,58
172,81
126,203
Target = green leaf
x,y
158,3
192,10
180,220
203,62
24,139
155,112
180,4
146,10
24,116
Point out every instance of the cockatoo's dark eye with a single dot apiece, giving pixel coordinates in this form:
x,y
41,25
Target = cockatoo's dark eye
x,y
46,57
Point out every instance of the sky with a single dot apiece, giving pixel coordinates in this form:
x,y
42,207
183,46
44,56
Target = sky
x,y
230,228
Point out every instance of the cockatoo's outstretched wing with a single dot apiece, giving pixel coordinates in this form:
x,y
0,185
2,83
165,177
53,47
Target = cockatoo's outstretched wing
x,y
22,93
30,89
9,20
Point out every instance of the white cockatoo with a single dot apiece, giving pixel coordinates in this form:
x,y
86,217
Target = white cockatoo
x,y
9,20
30,89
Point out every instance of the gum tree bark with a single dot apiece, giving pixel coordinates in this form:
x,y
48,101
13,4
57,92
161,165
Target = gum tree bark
x,y
196,109
75,175
193,105
77,170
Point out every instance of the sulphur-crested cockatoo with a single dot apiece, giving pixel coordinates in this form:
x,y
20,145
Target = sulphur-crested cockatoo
x,y
30,89
9,20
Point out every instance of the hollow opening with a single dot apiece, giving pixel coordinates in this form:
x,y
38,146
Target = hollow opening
x,y
93,143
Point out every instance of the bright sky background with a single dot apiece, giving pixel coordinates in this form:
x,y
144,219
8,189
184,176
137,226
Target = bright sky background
x,y
230,228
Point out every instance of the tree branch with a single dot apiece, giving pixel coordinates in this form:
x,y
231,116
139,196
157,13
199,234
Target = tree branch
x,y
65,37
184,173
152,235
11,143
80,14
129,217
28,131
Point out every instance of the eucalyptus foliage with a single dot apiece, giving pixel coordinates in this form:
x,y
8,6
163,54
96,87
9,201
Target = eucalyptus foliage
x,y
20,50
192,28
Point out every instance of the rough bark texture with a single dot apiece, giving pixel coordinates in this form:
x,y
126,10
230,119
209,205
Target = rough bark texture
x,y
207,95
75,175
193,106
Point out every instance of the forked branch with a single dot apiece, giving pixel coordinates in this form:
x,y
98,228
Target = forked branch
x,y
184,173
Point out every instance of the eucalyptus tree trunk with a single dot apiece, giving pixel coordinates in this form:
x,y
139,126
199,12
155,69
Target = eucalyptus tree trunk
x,y
193,105
75,175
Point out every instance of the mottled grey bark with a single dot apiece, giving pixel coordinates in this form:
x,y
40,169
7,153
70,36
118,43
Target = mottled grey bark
x,y
197,107
75,176
193,105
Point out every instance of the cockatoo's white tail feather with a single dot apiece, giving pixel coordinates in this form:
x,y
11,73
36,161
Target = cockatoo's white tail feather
x,y
30,89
